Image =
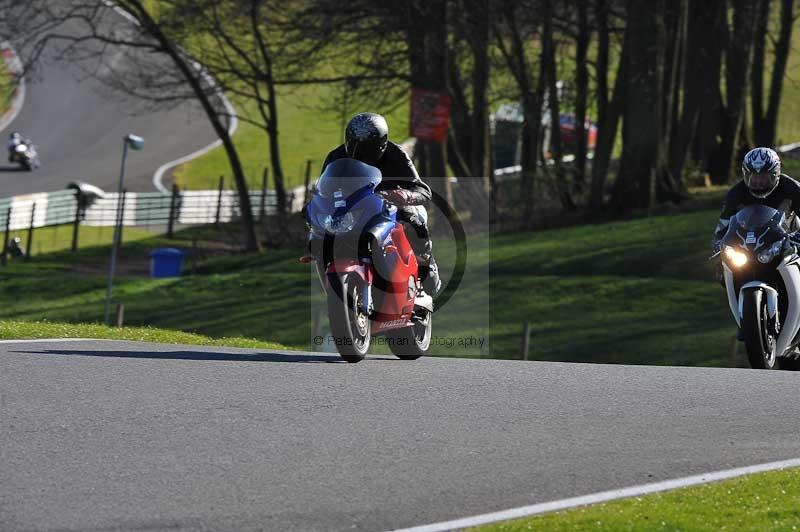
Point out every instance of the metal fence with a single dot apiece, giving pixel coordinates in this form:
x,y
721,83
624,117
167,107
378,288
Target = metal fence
x,y
139,209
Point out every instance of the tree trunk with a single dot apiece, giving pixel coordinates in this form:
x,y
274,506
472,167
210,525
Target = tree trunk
x,y
581,93
426,37
700,83
642,108
459,145
737,72
270,114
480,13
531,98
782,48
608,118
549,62
191,76
761,24
669,185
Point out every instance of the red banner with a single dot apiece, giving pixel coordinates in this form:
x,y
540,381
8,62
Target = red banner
x,y
430,114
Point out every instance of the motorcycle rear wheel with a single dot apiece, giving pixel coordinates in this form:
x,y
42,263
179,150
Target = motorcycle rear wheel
x,y
350,326
413,342
760,345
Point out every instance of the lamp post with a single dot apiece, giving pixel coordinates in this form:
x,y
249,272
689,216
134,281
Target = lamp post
x,y
135,143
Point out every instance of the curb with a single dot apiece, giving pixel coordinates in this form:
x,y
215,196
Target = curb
x,y
14,65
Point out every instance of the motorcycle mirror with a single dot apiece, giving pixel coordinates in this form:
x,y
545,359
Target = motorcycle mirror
x,y
135,142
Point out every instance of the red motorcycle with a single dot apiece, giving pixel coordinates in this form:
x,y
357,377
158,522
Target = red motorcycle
x,y
366,265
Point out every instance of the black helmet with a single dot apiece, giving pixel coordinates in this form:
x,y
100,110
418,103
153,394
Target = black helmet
x,y
761,170
366,137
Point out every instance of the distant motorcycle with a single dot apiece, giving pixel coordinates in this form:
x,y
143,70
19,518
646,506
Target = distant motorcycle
x,y
761,269
25,155
366,265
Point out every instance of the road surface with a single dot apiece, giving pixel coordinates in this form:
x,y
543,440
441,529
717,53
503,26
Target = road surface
x,y
104,435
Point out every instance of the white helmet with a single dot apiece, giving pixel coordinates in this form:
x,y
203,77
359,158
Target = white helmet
x,y
761,171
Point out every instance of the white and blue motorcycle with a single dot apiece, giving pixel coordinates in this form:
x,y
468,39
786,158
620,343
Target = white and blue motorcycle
x,y
761,269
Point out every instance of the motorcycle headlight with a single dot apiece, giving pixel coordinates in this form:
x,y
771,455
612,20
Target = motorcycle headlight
x,y
339,224
768,254
21,148
736,257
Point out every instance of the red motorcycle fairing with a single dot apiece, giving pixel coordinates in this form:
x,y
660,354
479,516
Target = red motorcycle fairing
x,y
394,302
397,304
350,266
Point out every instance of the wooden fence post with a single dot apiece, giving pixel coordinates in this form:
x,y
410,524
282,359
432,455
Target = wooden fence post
x,y
30,233
4,256
219,199
734,352
120,314
77,223
121,220
173,205
306,181
526,340
264,176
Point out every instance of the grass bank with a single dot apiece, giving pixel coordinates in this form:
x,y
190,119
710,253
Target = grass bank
x,y
10,329
762,502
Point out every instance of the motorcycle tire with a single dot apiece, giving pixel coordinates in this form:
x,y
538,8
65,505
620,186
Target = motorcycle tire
x,y
413,342
350,326
759,345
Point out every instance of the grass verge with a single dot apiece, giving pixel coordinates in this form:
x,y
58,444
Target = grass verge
x,y
6,88
760,502
45,329
309,128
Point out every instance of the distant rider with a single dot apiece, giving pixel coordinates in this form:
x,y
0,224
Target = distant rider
x,y
367,139
762,184
14,140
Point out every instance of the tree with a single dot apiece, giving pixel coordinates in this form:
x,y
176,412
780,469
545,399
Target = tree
x,y
765,121
582,39
549,61
738,59
156,68
641,134
608,112
517,23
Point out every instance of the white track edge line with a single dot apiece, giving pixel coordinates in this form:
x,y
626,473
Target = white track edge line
x,y
604,496
47,340
16,105
229,109
232,126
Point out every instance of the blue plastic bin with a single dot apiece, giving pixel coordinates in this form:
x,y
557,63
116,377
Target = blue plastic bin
x,y
166,262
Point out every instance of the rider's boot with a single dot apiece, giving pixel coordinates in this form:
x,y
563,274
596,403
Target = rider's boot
x,y
429,271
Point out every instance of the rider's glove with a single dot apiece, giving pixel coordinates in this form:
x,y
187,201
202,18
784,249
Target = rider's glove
x,y
399,196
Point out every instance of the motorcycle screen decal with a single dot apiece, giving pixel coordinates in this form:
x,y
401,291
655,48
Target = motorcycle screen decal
x,y
760,240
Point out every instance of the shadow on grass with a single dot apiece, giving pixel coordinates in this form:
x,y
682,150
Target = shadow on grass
x,y
202,356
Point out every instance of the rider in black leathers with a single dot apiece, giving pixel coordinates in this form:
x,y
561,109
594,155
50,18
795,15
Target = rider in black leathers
x,y
367,139
763,184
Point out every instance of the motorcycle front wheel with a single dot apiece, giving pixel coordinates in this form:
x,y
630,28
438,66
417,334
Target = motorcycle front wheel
x,y
350,324
760,344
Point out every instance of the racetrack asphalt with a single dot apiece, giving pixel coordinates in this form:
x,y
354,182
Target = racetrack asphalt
x,y
78,125
106,435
